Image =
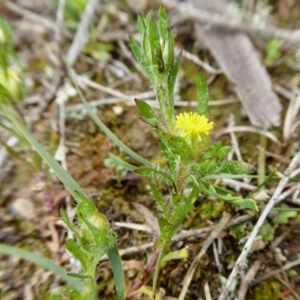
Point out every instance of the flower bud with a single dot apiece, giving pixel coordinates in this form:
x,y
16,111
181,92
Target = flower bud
x,y
99,221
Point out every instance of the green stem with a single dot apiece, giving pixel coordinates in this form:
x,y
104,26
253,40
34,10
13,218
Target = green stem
x,y
165,102
156,272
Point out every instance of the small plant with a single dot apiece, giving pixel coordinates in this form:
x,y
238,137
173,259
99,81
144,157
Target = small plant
x,y
192,160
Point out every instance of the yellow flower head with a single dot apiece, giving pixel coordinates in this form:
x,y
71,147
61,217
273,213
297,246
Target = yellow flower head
x,y
193,124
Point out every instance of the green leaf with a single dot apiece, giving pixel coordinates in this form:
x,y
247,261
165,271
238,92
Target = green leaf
x,y
184,204
67,221
169,52
167,231
172,159
118,161
246,203
238,167
202,96
141,59
163,23
154,43
208,167
83,257
212,209
43,262
147,112
159,175
159,199
87,204
267,232
178,254
172,77
179,146
283,216
141,26
238,231
98,235
117,268
61,173
216,150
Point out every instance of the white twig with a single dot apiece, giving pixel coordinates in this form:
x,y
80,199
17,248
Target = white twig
x,y
184,234
207,291
146,95
198,61
268,134
82,33
213,235
216,256
235,144
247,279
241,262
290,117
284,268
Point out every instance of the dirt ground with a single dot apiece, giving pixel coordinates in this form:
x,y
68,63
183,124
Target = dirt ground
x,y
31,195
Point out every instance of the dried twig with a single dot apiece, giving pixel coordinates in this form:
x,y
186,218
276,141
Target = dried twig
x,y
247,279
268,134
198,61
82,33
190,273
146,95
235,144
277,271
207,291
290,123
241,262
182,235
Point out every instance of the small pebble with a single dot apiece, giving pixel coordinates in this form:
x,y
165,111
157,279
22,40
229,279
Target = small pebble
x,y
118,110
22,207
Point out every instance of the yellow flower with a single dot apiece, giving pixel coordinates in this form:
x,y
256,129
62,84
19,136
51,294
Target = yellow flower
x,y
193,124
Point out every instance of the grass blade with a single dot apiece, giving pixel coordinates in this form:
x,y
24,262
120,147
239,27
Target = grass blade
x,y
43,262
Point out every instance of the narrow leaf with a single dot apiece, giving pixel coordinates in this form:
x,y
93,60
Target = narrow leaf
x,y
43,262
202,96
78,254
172,77
163,23
238,167
116,265
120,162
159,199
61,173
179,146
172,159
147,112
154,44
155,174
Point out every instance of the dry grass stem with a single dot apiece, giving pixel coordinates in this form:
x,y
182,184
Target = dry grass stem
x,y
268,134
82,33
213,235
247,279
